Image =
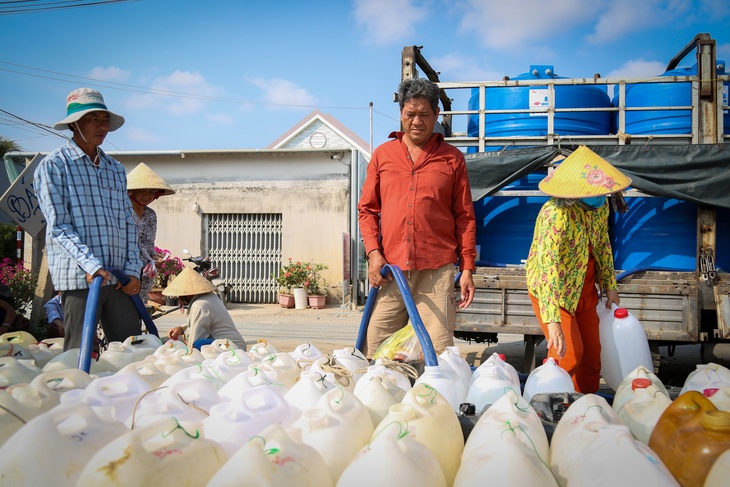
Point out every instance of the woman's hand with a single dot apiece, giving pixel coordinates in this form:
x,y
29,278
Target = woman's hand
x,y
555,338
175,332
612,297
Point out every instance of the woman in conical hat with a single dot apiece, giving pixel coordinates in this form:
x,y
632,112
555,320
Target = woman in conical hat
x,y
571,258
144,187
208,318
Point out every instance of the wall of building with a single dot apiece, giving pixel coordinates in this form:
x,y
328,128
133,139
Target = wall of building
x,y
308,188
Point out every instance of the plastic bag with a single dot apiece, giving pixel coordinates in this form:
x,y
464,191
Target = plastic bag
x,y
401,346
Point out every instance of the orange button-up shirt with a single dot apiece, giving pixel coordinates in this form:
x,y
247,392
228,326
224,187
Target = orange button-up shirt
x,y
420,215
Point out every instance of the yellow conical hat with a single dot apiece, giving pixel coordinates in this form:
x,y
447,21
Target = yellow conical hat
x,y
188,283
584,174
142,177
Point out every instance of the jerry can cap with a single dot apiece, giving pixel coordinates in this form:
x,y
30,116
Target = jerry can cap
x,y
640,383
620,313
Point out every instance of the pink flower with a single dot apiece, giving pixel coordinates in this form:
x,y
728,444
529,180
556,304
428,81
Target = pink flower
x,y
595,177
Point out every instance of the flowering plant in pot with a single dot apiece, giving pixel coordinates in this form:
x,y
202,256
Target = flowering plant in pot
x,y
317,293
167,267
290,276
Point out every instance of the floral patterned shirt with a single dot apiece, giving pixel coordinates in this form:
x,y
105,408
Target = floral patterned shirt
x,y
556,264
146,233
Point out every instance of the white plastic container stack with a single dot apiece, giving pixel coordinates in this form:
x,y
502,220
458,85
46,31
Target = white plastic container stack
x,y
428,417
719,472
187,401
624,345
491,384
642,412
706,376
232,423
506,461
616,458
53,448
147,370
394,457
161,454
111,397
343,404
273,458
510,412
576,429
625,391
212,350
547,378
508,370
452,356
446,381
332,436
14,371
719,397
305,354
308,390
44,351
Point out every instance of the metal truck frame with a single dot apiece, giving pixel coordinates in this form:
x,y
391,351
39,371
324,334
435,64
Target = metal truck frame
x,y
674,307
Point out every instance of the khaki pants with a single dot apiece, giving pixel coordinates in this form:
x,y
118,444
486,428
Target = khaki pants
x,y
433,294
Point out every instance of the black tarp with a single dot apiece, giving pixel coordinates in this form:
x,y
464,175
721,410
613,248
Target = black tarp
x,y
699,173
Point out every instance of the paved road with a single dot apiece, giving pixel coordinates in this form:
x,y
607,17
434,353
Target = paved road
x,y
333,327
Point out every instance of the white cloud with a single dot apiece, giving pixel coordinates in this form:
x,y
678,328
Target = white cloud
x,y
638,68
219,118
511,24
284,92
111,73
389,21
623,17
180,93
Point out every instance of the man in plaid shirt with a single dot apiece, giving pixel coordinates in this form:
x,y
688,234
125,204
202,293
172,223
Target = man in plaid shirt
x,y
82,193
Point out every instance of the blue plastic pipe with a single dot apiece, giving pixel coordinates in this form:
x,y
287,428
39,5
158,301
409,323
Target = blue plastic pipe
x,y
89,326
429,354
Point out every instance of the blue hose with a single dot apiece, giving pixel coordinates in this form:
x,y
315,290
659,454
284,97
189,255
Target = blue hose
x,y
89,326
429,354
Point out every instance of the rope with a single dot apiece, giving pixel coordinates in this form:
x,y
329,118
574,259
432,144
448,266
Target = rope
x,y
405,369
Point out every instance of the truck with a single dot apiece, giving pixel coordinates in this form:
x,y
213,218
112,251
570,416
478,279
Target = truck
x,y
669,133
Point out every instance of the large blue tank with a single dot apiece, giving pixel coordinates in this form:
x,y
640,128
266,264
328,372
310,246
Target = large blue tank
x,y
655,232
675,122
505,224
534,97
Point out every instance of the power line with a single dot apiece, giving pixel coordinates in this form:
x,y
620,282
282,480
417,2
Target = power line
x,y
36,6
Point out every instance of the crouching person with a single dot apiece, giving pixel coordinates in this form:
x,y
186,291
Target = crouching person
x,y
208,318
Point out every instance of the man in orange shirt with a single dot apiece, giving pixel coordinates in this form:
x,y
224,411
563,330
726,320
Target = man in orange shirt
x,y
416,212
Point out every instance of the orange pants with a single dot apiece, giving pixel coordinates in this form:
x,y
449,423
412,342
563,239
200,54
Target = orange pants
x,y
582,358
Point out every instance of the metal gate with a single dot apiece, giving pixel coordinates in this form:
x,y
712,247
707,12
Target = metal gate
x,y
247,249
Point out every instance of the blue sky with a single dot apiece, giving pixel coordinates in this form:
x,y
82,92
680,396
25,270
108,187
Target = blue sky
x,y
237,74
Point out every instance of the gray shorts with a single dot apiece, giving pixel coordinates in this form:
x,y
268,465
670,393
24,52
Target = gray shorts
x,y
116,312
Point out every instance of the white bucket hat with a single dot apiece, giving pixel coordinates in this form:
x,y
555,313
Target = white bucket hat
x,y
85,100
188,283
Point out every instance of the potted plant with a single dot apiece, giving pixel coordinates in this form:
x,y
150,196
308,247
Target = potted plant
x,y
316,291
167,268
291,276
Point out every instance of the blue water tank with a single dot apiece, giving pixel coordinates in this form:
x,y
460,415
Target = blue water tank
x,y
534,97
655,231
674,122
505,224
